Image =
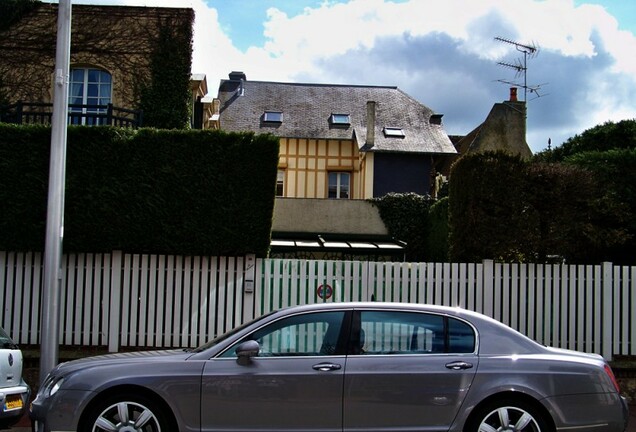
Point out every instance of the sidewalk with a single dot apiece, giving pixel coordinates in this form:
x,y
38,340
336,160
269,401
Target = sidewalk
x,y
25,424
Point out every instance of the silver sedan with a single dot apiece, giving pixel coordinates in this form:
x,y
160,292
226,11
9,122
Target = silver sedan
x,y
341,367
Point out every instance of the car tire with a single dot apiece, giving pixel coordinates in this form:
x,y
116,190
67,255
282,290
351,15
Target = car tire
x,y
512,416
7,423
126,413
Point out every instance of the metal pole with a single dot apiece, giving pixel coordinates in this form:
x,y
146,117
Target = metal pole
x,y
49,330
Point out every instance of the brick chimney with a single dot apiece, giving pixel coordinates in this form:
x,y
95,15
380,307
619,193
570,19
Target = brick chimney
x,y
513,94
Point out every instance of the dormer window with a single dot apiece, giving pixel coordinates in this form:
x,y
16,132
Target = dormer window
x,y
273,117
392,132
340,119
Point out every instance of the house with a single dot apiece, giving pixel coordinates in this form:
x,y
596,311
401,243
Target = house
x,y
339,145
339,141
112,50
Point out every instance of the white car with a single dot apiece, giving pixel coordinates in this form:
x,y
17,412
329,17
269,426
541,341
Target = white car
x,y
14,391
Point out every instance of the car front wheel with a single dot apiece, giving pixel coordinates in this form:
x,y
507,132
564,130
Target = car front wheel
x,y
509,417
126,414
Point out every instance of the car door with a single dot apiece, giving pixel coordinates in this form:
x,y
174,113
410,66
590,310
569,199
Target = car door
x,y
407,371
294,383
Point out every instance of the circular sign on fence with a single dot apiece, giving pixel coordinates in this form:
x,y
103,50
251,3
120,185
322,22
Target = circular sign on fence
x,y
324,291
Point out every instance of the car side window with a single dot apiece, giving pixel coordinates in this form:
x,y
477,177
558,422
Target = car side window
x,y
393,332
461,337
310,334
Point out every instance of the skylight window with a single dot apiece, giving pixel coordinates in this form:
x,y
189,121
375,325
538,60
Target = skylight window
x,y
394,132
273,116
340,119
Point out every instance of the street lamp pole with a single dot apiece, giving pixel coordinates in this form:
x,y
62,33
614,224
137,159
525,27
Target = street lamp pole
x,y
49,326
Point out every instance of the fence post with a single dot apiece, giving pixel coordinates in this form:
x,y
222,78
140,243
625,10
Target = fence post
x,y
608,311
249,278
114,319
488,283
109,115
18,112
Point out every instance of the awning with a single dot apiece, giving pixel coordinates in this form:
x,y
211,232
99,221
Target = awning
x,y
354,245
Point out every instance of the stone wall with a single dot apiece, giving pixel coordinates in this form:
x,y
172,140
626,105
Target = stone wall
x,y
117,39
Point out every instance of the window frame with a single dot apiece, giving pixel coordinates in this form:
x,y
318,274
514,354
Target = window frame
x,y
340,338
393,132
340,119
359,342
280,183
89,86
270,116
339,185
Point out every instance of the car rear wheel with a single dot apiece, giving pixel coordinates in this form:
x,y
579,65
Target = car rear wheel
x,y
509,417
126,414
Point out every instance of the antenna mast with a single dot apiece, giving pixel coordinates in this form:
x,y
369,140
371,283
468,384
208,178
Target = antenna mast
x,y
521,66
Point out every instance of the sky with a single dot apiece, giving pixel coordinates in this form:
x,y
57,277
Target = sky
x,y
443,53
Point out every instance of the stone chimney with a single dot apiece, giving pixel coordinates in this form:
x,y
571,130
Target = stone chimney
x,y
370,123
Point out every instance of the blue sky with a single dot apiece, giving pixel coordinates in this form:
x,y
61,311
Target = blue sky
x,y
441,52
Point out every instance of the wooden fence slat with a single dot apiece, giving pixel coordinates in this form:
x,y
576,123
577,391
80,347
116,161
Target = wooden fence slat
x,y
112,311
186,270
36,289
632,290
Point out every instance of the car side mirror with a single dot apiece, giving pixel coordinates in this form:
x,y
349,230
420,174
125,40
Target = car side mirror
x,y
246,350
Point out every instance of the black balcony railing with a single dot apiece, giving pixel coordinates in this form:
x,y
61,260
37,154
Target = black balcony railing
x,y
89,115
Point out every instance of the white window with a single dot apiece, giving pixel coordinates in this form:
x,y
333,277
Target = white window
x,y
393,132
90,90
340,119
280,183
339,185
273,116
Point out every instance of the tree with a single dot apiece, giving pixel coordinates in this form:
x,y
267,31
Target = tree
x,y
621,135
165,98
615,173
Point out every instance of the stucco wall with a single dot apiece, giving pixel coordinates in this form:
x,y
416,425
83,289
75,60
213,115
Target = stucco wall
x,y
327,216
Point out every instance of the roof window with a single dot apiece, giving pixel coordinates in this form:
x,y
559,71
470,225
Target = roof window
x,y
393,132
273,116
340,119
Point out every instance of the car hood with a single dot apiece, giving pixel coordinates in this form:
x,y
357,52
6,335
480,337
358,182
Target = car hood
x,y
121,358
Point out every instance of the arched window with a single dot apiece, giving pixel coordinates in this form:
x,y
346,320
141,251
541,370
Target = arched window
x,y
90,90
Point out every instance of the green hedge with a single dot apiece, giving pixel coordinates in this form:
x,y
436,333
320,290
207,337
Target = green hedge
x,y
406,218
485,207
505,209
437,240
149,191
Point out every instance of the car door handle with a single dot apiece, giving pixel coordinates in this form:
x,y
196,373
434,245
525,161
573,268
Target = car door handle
x,y
459,365
324,367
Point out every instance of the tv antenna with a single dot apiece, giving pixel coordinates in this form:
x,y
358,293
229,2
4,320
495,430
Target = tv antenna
x,y
520,66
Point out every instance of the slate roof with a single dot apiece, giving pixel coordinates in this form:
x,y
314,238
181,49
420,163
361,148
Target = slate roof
x,y
307,109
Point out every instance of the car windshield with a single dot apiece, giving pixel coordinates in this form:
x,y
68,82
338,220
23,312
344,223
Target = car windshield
x,y
230,333
5,340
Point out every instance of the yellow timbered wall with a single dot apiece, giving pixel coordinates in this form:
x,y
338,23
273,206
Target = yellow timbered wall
x,y
306,163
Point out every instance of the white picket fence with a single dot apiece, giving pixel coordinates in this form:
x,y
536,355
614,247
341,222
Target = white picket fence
x,y
131,300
